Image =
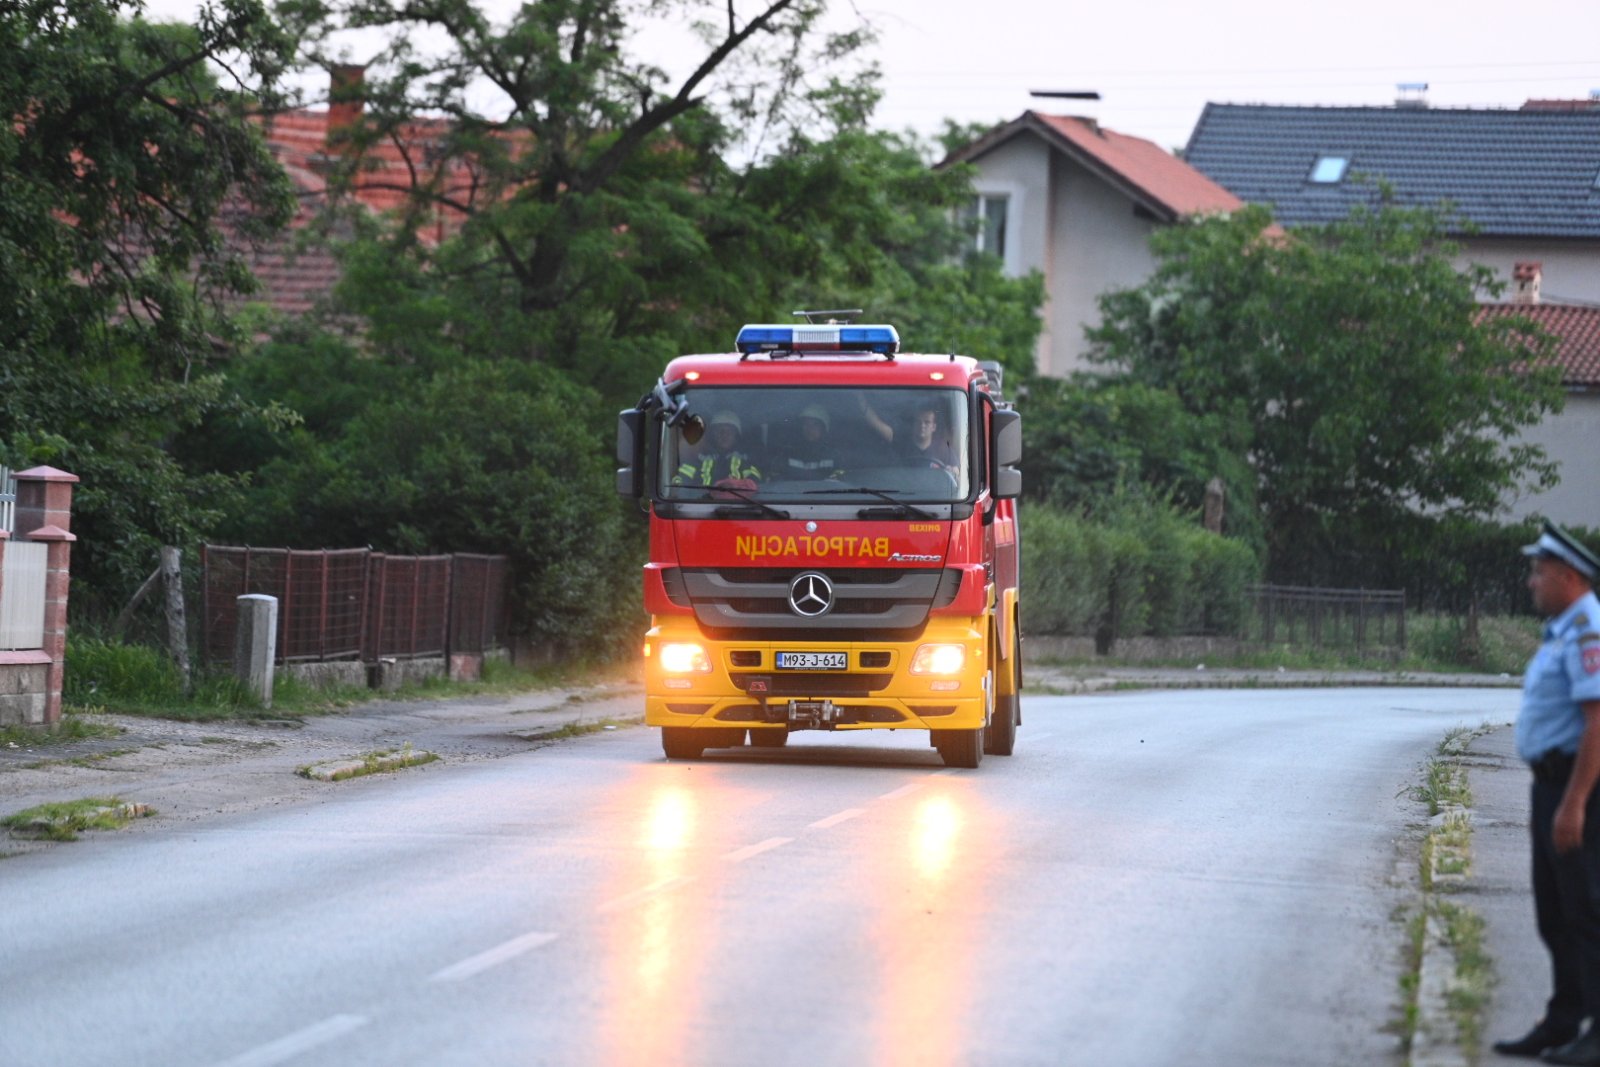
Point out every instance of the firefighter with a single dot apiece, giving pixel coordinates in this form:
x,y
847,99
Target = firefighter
x,y
722,459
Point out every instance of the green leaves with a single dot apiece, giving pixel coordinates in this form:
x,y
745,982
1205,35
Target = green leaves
x,y
1346,360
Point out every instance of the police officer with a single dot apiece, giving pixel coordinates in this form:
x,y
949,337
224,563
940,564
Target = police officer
x,y
1558,734
722,460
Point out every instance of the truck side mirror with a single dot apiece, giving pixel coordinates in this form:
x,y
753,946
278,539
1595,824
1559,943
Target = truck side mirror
x,y
630,453
1005,454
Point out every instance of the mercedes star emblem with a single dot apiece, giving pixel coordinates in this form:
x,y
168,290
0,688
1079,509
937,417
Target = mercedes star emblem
x,y
811,594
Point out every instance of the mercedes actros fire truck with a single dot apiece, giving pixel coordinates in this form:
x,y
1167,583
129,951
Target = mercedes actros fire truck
x,y
833,543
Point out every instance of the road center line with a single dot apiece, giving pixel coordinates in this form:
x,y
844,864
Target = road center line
x,y
835,820
740,855
301,1041
510,950
895,794
630,899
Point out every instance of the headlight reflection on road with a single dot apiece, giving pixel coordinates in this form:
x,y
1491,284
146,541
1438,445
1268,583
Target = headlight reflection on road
x,y
928,932
655,946
669,820
936,827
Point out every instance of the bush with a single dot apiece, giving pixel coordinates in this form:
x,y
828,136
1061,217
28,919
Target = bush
x,y
1139,567
100,672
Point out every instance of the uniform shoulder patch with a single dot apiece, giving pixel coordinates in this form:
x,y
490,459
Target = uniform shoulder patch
x,y
1591,658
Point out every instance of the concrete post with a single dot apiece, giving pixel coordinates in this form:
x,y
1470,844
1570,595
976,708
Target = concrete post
x,y
255,644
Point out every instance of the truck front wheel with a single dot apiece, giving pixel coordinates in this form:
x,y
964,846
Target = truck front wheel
x,y
680,742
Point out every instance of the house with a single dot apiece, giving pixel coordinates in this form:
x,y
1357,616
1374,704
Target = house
x,y
1064,196
1524,187
1524,183
1572,435
294,274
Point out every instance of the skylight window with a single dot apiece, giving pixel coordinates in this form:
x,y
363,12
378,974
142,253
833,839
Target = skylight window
x,y
1329,170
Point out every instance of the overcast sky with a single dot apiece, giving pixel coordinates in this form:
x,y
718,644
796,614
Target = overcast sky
x,y
1157,62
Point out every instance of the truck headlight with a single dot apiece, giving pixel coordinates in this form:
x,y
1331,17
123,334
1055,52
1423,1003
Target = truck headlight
x,y
684,659
939,659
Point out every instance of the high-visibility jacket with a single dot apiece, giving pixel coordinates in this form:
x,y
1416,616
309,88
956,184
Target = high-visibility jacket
x,y
712,467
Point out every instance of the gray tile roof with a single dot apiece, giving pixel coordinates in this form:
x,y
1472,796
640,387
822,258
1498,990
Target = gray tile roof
x,y
1512,173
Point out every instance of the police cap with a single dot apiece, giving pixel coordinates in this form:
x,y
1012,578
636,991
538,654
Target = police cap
x,y
1556,543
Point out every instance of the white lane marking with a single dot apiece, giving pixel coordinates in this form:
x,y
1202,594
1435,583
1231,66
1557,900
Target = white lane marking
x,y
630,899
835,820
895,794
510,950
301,1041
740,855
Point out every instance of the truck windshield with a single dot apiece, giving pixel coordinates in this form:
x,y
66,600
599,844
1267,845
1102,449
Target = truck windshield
x,y
787,443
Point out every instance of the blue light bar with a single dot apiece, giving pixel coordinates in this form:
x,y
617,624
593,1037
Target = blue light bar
x,y
766,337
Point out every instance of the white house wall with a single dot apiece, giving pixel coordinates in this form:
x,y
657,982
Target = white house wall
x,y
1570,272
1571,438
1020,170
1099,245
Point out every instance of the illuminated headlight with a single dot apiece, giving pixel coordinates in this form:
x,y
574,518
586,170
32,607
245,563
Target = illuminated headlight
x,y
939,659
684,659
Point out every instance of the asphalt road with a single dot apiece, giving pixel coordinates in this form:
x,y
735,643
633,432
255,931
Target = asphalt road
x,y
1154,878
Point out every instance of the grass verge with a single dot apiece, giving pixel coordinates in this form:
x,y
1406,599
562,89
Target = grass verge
x,y
378,762
63,821
1448,975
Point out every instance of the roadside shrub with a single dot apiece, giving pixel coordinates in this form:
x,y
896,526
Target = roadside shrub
x,y
1138,567
98,671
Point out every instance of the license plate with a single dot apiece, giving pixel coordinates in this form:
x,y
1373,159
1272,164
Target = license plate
x,y
812,661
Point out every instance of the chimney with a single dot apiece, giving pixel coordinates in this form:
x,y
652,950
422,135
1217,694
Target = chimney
x,y
345,102
1411,95
1525,278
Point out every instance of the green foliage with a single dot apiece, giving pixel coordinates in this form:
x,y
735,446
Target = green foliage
x,y
1136,568
122,156
1342,362
480,457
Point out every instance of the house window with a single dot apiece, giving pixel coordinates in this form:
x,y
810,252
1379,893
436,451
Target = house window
x,y
989,211
1329,170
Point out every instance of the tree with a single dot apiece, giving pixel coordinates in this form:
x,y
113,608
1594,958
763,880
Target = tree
x,y
605,228
1350,358
121,160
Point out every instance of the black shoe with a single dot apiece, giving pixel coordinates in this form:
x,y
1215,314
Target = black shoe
x,y
1545,1035
1583,1052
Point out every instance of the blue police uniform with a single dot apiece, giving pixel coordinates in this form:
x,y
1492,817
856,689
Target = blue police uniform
x,y
1564,674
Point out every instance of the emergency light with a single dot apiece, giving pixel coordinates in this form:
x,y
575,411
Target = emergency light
x,y
762,337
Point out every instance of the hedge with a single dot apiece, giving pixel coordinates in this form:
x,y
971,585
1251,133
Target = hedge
x,y
1142,569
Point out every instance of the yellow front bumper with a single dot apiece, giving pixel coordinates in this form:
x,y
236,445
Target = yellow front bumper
x,y
874,691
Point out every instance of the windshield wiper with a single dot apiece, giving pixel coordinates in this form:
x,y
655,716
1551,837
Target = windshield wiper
x,y
747,496
882,494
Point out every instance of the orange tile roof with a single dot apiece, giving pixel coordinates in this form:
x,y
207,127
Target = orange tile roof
x,y
1143,169
1577,332
293,280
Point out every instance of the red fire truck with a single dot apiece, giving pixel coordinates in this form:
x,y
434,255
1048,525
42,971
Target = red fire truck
x,y
833,543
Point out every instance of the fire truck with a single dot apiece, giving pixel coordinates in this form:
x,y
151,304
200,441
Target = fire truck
x,y
833,542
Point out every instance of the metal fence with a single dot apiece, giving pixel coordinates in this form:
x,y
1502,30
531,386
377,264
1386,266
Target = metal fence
x,y
355,603
1362,619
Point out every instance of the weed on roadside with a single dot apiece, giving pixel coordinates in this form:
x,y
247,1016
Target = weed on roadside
x,y
63,821
376,762
76,725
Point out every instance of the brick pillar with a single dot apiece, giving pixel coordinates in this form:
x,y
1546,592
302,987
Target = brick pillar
x,y
44,513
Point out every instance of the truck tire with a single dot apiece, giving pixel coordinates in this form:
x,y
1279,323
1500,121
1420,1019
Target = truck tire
x,y
680,742
960,748
769,738
1000,739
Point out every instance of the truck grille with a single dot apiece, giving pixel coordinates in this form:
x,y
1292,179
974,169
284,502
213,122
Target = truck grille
x,y
868,599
